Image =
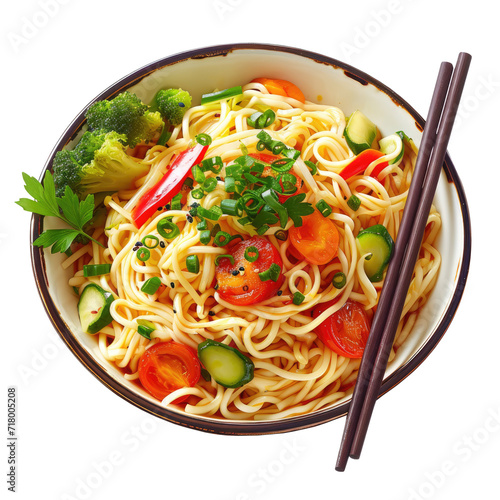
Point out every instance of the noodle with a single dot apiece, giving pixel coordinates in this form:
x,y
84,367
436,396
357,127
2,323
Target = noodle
x,y
295,373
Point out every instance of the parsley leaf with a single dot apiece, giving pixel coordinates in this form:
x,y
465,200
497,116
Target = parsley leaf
x,y
68,208
297,209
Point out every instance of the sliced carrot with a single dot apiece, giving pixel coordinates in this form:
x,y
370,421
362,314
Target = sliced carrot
x,y
281,87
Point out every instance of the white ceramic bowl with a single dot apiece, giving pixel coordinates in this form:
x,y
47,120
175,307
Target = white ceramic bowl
x,y
319,77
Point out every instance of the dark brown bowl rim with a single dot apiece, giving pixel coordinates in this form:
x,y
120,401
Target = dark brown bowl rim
x,y
236,427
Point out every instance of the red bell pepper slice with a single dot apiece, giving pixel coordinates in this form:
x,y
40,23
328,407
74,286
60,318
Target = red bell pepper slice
x,y
169,185
361,163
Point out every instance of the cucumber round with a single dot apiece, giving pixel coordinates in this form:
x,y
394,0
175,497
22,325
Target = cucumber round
x,y
226,365
359,132
93,308
378,243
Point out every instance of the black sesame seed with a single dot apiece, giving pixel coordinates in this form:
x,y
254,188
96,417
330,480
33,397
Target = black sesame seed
x,y
216,287
211,313
235,272
175,312
135,249
189,218
241,268
195,204
172,284
280,292
138,244
219,178
245,288
167,206
182,105
160,209
162,244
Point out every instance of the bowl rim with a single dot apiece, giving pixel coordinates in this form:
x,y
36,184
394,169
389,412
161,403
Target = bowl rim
x,y
232,427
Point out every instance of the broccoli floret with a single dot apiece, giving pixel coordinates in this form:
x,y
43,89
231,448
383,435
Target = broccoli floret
x,y
98,163
125,114
172,104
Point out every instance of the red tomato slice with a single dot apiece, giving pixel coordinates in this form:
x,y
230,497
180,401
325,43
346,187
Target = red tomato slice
x,y
281,87
168,366
345,331
246,287
317,240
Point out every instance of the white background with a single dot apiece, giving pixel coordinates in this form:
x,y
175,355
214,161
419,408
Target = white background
x,y
437,435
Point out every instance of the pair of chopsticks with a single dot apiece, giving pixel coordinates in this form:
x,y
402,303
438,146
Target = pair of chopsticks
x,y
437,131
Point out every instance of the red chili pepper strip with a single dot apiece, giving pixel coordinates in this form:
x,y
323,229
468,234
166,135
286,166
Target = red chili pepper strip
x,y
361,163
169,185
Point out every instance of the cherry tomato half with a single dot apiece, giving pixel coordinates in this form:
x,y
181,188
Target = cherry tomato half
x,y
239,283
168,366
317,240
281,87
345,331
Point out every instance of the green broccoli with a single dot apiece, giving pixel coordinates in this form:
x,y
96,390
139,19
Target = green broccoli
x,y
125,114
172,104
98,163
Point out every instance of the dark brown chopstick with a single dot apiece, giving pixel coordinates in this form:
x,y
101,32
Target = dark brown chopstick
x,y
398,278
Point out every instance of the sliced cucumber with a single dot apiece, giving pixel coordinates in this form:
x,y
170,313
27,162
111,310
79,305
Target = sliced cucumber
x,y
391,144
93,308
226,365
377,242
359,132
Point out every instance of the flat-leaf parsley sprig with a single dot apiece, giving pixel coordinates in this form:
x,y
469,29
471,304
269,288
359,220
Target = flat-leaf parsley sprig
x,y
68,208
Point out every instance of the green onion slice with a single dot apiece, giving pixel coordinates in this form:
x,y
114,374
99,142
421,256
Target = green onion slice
x,y
312,167
205,237
214,164
193,264
213,213
198,174
222,94
324,208
339,280
176,204
282,165
231,207
262,120
145,328
143,254
209,185
167,229
273,273
298,298
96,269
281,235
225,256
146,241
197,194
222,238
262,229
203,139
353,202
251,254
151,285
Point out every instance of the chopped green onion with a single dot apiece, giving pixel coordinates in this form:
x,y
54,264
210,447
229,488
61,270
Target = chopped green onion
x,y
215,229
243,148
260,146
201,226
289,183
273,273
209,185
205,237
197,194
262,229
198,174
214,164
145,328
222,94
193,264
353,202
155,243
298,298
282,165
231,207
235,237
291,153
143,254
312,167
229,184
339,280
225,256
324,208
281,235
167,229
272,200
96,269
176,204
261,120
213,213
222,238
189,183
245,220
203,139
255,205
249,251
151,285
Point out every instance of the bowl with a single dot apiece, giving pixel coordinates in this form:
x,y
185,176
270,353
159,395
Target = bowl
x,y
200,71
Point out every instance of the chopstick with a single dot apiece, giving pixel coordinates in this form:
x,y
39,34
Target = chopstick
x,y
392,298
